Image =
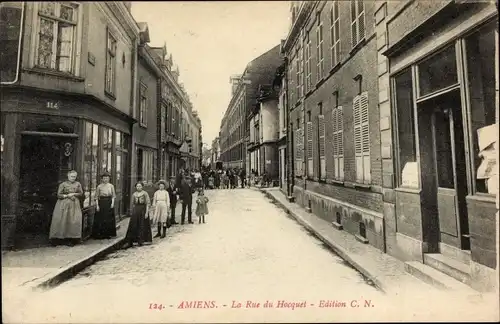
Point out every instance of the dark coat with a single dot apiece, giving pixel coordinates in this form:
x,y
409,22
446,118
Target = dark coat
x,y
172,194
185,191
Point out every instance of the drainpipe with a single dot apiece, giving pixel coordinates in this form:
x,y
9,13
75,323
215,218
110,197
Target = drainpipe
x,y
289,146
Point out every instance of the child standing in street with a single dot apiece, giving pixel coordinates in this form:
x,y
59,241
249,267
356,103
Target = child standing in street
x,y
201,206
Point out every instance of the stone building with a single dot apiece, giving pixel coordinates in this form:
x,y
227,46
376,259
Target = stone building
x,y
235,139
335,156
70,106
438,83
393,129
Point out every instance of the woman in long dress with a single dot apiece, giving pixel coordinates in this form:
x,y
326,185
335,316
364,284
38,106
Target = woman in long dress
x,y
139,229
161,206
104,220
67,216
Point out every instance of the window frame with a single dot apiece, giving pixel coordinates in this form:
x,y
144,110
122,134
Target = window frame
x,y
335,42
308,73
356,39
143,106
75,69
111,55
320,63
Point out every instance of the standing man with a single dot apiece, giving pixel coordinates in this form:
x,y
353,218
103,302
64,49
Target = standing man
x,y
243,178
172,192
185,191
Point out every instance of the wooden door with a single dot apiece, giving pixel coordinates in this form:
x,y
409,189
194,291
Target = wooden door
x,y
449,158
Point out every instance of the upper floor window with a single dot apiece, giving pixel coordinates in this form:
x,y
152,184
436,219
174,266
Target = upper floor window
x,y
143,106
56,43
357,22
308,63
319,50
110,63
299,66
335,33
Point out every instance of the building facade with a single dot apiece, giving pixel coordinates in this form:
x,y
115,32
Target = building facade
x,y
65,110
235,140
393,128
279,83
82,90
439,100
215,152
147,161
264,126
334,128
232,139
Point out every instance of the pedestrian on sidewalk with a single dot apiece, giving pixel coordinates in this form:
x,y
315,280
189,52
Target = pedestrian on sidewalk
x,y
201,206
186,191
139,228
172,193
66,225
161,207
104,226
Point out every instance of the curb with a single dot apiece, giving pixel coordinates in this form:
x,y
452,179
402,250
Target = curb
x,y
340,251
72,269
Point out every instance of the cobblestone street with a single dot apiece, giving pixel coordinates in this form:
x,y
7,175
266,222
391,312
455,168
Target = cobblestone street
x,y
249,250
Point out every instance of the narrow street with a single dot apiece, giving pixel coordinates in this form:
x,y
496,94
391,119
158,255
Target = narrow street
x,y
248,252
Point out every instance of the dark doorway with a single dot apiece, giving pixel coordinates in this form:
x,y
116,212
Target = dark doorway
x,y
139,164
45,161
444,160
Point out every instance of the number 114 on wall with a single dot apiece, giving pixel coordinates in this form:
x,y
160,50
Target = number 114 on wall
x,y
52,105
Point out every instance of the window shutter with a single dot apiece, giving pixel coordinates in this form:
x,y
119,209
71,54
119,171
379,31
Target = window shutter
x,y
321,138
340,142
309,133
358,139
334,131
365,131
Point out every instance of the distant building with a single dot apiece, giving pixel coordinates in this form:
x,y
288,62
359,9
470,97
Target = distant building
x,y
235,128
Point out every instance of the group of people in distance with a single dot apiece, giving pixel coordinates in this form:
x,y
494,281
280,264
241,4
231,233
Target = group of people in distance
x,y
147,209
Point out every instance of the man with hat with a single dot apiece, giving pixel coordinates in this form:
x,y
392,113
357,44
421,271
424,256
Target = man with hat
x,y
186,191
172,192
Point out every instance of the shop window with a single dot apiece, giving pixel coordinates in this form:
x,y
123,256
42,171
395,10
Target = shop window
x,y
403,85
438,71
107,149
89,178
481,54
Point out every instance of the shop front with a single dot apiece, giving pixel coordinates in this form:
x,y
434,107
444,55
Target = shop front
x,y
446,121
40,146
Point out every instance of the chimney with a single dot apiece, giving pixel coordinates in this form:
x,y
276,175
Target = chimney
x,y
235,81
128,5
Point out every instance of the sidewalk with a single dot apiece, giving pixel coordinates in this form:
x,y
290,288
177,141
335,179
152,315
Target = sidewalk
x,y
385,271
48,266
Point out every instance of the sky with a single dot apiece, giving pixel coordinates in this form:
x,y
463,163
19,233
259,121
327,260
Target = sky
x,y
210,41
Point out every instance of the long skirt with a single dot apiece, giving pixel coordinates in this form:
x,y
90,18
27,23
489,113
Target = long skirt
x,y
161,212
104,220
66,220
139,229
